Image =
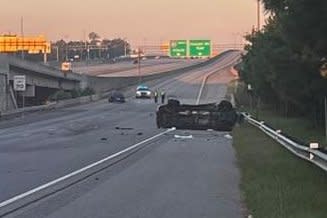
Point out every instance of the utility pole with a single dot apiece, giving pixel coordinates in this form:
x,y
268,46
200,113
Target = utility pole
x,y
86,47
7,90
258,15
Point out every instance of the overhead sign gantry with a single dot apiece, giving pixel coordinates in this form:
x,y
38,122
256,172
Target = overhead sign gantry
x,y
190,48
32,45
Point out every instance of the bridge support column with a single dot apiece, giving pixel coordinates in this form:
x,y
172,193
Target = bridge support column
x,y
7,101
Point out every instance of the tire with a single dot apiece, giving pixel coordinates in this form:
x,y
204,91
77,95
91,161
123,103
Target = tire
x,y
225,106
173,103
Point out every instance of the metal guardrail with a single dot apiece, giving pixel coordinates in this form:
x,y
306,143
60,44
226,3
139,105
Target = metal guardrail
x,y
312,155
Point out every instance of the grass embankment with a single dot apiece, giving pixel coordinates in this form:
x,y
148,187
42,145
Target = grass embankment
x,y
274,182
298,127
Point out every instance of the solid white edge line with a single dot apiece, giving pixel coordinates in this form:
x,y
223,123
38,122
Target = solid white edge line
x,y
56,181
201,89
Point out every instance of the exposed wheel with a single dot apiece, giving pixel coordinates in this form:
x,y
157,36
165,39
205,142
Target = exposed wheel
x,y
225,106
173,103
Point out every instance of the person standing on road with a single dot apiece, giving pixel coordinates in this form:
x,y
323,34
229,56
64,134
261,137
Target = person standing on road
x,y
163,95
156,96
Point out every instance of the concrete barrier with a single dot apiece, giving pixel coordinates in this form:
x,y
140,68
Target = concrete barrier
x,y
51,106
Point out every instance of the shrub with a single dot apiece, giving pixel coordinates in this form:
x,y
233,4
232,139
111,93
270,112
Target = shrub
x,y
60,95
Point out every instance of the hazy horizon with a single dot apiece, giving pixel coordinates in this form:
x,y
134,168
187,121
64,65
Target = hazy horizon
x,y
141,21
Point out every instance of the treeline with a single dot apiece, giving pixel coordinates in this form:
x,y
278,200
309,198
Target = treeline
x,y
284,61
93,48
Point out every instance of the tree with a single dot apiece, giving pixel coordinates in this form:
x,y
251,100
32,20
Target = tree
x,y
94,36
117,47
283,61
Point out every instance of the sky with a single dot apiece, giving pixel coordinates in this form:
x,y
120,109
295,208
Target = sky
x,y
139,21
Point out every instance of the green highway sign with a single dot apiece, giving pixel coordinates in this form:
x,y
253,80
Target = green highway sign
x,y
178,48
200,48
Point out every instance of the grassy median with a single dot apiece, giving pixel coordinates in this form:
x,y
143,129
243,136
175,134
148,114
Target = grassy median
x,y
274,182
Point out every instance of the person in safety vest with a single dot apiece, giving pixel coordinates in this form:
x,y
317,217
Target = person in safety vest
x,y
156,96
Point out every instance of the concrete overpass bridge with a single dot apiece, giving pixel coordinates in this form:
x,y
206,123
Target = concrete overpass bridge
x,y
41,81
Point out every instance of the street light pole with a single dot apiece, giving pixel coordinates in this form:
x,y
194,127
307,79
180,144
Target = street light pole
x,y
45,55
88,53
139,65
66,51
125,46
57,54
22,33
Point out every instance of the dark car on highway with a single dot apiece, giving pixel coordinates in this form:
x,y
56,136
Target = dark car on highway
x,y
116,96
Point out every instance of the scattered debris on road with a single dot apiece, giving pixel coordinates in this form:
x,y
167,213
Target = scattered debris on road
x,y
123,128
228,136
183,136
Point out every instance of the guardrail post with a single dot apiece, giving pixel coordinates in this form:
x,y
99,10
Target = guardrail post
x,y
313,146
278,132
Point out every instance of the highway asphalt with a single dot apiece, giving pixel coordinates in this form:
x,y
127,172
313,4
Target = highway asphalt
x,y
127,68
168,178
